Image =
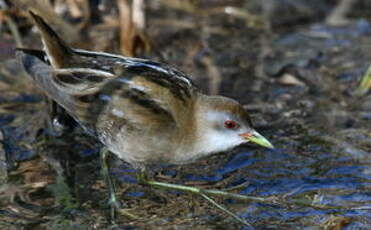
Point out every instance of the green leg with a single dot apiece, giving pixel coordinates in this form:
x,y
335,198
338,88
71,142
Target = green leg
x,y
204,194
113,202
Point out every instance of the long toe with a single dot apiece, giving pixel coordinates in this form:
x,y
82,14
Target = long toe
x,y
116,209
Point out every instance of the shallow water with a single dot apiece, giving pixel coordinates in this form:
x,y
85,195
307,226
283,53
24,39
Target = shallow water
x,y
319,173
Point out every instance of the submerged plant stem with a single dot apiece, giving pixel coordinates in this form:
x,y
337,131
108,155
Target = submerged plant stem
x,y
204,194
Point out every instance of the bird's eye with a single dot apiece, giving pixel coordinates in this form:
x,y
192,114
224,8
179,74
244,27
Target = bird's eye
x,y
229,124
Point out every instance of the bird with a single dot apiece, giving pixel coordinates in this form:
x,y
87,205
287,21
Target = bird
x,y
144,112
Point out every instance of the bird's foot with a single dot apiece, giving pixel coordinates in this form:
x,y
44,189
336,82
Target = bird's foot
x,y
113,201
117,208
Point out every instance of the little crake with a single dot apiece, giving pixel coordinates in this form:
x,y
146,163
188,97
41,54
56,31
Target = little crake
x,y
142,111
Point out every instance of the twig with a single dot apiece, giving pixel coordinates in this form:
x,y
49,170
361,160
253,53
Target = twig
x,y
337,16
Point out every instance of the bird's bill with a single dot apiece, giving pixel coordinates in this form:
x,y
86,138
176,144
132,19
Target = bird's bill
x,y
255,137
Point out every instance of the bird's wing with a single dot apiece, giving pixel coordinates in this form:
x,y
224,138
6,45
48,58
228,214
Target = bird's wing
x,y
60,55
136,94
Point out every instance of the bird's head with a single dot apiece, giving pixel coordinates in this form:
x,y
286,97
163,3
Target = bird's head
x,y
223,123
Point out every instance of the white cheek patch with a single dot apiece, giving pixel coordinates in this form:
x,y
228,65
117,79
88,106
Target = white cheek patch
x,y
217,139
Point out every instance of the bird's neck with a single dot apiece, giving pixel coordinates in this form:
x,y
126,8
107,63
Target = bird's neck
x,y
191,141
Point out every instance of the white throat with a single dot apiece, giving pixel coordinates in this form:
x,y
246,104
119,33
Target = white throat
x,y
214,142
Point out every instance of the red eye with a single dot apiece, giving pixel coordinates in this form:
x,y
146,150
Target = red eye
x,y
229,124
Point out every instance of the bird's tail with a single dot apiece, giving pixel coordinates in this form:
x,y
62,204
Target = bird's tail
x,y
57,50
42,73
36,68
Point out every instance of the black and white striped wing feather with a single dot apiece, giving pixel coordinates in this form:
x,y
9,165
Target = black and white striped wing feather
x,y
95,96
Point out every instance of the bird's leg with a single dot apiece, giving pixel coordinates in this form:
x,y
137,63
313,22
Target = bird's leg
x,y
112,200
143,179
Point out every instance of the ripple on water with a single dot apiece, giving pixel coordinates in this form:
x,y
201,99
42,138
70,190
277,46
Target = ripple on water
x,y
353,170
236,161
